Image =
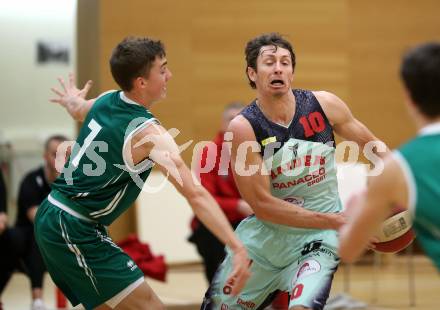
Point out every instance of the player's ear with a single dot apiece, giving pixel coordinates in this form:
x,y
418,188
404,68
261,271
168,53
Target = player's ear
x,y
140,82
252,74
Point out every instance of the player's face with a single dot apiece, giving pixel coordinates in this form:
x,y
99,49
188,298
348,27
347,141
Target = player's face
x,y
274,73
50,155
156,83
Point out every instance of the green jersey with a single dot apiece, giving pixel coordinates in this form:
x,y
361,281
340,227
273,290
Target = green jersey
x,y
98,182
420,160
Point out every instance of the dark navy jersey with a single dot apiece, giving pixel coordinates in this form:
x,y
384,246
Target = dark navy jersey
x,y
300,158
309,123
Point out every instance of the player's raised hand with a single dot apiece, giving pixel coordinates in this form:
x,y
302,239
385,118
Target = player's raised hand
x,y
240,272
72,98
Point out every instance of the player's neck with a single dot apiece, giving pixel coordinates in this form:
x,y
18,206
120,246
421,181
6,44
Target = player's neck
x,y
422,122
278,109
138,98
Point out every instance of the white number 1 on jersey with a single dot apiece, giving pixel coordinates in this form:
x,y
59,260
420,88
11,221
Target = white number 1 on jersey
x,y
95,129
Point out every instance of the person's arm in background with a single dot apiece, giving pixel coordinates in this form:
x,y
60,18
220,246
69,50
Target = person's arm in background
x,y
369,209
3,204
28,197
230,205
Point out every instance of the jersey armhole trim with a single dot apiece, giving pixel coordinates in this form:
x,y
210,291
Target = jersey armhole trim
x,y
106,93
410,180
146,163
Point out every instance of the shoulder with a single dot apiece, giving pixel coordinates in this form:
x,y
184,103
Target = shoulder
x,y
147,132
155,135
334,107
107,96
415,146
33,178
241,129
108,92
328,98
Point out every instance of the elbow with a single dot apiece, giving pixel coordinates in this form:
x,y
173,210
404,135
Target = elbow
x,y
195,198
261,209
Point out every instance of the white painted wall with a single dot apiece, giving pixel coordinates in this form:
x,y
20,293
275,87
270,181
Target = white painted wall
x,y
27,118
163,220
25,113
352,178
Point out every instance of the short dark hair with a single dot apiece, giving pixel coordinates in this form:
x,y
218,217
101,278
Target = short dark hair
x,y
134,57
420,72
252,50
59,138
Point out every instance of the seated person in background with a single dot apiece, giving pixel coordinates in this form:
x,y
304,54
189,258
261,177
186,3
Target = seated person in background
x,y
222,187
4,259
19,241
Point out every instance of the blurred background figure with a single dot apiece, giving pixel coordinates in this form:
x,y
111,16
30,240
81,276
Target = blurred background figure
x,y
222,187
3,226
18,242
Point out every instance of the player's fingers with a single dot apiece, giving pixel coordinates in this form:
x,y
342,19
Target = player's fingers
x,y
239,277
372,243
86,88
374,240
57,101
62,83
71,79
238,282
57,92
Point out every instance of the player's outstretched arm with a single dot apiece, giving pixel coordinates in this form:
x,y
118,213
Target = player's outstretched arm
x,y
367,210
253,183
72,98
157,144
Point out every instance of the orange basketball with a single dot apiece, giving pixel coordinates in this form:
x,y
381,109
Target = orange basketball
x,y
395,233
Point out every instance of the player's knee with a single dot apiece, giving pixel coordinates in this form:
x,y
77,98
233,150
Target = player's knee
x,y
299,308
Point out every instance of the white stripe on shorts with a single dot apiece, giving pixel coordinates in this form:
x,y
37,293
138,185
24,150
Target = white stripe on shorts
x,y
115,300
79,257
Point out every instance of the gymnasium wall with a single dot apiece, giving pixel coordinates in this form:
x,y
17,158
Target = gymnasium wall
x,y
25,113
351,48
27,118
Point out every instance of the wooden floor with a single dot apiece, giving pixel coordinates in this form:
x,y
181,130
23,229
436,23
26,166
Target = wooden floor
x,y
383,287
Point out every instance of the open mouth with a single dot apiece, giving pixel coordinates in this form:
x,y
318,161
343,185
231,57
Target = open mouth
x,y
277,83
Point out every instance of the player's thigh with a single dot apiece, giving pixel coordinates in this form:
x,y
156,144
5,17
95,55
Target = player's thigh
x,y
298,308
310,281
141,298
262,282
83,260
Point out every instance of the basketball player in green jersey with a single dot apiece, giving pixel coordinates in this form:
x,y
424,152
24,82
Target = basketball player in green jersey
x,y
411,174
117,145
289,179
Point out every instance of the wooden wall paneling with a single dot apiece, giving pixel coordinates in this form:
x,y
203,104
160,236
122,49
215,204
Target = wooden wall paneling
x,y
380,32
